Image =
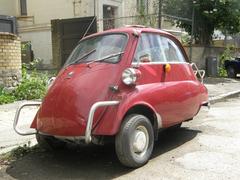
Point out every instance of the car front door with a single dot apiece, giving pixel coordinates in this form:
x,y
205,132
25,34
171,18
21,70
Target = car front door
x,y
174,88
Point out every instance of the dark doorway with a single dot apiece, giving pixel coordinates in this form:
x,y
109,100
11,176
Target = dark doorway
x,y
65,35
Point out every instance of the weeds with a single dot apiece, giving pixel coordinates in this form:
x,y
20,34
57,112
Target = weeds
x,y
32,86
5,97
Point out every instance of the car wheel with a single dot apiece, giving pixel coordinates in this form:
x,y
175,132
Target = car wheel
x,y
231,72
134,142
49,142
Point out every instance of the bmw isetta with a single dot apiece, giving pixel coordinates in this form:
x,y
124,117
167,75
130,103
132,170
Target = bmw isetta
x,y
123,84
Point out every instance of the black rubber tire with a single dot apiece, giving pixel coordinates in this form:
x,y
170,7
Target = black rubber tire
x,y
124,139
231,72
49,142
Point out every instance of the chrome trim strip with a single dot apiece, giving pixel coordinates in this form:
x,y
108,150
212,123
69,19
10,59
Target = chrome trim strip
x,y
94,107
15,122
159,120
149,63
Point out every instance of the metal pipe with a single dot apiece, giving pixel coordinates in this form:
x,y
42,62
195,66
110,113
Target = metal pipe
x,y
160,14
94,107
94,18
192,32
94,7
15,122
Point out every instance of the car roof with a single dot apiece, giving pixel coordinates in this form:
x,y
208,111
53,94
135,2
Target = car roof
x,y
131,29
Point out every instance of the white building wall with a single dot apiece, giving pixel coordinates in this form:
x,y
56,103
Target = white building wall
x,y
36,27
8,7
41,42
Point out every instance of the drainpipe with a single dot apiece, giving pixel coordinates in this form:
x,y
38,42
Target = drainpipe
x,y
160,14
94,7
192,31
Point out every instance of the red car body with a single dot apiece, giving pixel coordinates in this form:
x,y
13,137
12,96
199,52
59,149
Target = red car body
x,y
175,96
168,93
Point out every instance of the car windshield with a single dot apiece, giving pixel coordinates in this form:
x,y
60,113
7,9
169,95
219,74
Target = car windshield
x,y
107,48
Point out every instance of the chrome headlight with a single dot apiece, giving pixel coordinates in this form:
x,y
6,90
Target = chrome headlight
x,y
130,76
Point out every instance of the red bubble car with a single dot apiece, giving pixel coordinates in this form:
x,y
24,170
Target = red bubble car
x,y
123,84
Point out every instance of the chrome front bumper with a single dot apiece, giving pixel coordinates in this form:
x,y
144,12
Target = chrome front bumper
x,y
16,118
88,131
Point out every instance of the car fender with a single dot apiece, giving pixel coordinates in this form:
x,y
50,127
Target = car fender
x,y
134,104
113,118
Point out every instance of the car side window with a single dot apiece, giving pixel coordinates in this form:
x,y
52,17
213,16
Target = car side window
x,y
172,51
155,48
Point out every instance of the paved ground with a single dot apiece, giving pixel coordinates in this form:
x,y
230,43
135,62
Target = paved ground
x,y
206,148
9,139
220,86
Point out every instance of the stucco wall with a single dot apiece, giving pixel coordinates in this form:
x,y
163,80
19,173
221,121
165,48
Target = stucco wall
x,y
200,53
36,28
41,45
8,7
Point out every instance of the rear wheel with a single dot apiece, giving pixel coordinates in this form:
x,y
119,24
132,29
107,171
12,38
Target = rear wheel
x,y
49,142
134,142
231,72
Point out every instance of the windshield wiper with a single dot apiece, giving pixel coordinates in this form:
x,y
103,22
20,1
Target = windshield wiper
x,y
83,56
106,57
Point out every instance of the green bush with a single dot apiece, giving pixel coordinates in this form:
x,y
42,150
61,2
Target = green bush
x,y
32,86
226,55
5,97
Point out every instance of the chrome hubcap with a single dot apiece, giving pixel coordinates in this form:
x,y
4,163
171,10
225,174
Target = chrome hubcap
x,y
140,140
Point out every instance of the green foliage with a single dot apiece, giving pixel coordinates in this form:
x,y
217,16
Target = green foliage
x,y
25,46
209,15
32,65
32,86
185,39
226,55
5,97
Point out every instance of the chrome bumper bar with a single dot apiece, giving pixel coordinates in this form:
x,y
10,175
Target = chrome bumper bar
x,y
207,104
200,73
20,132
88,131
94,107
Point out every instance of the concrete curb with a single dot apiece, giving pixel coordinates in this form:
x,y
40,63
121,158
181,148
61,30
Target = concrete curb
x,y
221,97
